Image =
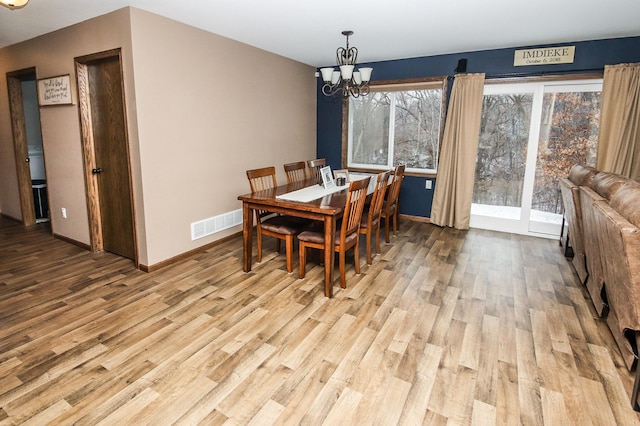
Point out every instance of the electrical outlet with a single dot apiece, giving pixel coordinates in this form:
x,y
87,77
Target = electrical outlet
x,y
427,184
63,211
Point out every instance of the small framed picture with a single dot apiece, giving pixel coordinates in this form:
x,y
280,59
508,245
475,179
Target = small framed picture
x,y
327,177
341,176
54,91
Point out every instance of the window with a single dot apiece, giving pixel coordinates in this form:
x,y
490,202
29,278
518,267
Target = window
x,y
397,124
530,136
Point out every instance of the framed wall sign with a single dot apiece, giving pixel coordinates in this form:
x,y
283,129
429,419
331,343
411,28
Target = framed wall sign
x,y
544,56
54,91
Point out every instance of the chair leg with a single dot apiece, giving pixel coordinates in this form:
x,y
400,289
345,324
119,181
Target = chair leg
x,y
289,251
368,242
303,259
278,245
395,223
343,277
386,229
378,238
356,256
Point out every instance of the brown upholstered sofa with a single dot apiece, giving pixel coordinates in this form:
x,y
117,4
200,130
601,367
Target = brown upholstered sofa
x,y
570,189
605,235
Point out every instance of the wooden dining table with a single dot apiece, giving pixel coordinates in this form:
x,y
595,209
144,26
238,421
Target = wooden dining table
x,y
325,209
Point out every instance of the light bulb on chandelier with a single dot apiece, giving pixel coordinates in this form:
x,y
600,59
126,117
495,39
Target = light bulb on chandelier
x,y
348,80
14,4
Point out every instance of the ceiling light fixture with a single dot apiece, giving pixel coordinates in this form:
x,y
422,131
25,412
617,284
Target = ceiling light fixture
x,y
350,82
14,4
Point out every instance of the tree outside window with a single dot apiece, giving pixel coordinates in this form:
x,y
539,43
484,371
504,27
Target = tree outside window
x,y
392,127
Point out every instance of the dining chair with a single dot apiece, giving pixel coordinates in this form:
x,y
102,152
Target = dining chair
x,y
271,224
371,217
314,168
296,172
346,236
391,210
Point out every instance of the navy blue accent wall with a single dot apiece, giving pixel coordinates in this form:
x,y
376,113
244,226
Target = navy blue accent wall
x,y
590,56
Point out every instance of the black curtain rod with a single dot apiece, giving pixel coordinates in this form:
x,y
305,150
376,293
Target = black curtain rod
x,y
462,69
543,73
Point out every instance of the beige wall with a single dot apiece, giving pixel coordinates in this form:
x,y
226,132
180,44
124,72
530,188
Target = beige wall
x,y
201,109
53,55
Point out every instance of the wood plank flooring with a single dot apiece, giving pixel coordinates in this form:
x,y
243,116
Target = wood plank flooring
x,y
446,327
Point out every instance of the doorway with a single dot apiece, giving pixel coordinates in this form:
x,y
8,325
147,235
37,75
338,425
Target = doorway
x,y
27,139
106,153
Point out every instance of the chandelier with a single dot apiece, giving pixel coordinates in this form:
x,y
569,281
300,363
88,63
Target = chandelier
x,y
14,4
350,82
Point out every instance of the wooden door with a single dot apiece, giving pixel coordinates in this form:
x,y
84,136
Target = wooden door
x,y
18,124
106,154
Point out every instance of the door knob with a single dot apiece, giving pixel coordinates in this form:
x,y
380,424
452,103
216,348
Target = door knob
x,y
26,160
96,171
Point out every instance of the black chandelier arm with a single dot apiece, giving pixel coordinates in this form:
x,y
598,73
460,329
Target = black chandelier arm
x,y
356,90
348,56
363,90
331,89
348,88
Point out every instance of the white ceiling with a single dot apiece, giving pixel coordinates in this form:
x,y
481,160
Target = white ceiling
x,y
310,30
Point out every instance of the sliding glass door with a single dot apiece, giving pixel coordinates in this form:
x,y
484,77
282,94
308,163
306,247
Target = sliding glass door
x,y
531,134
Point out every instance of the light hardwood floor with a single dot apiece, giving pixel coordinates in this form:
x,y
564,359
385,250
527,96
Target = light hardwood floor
x,y
446,327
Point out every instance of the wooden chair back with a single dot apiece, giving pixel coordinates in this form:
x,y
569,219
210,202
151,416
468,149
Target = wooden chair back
x,y
390,210
370,224
314,168
261,179
296,172
377,198
394,191
353,208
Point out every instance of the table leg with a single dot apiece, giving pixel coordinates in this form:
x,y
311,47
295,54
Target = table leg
x,y
247,235
329,241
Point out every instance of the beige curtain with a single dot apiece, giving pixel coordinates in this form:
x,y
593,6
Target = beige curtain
x,y
619,139
454,184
